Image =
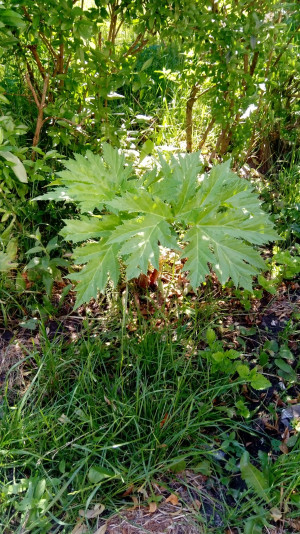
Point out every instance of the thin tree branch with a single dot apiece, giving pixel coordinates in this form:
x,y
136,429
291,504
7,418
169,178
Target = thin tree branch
x,y
27,16
203,140
189,117
40,122
33,49
139,48
48,45
134,44
285,47
254,63
32,90
67,64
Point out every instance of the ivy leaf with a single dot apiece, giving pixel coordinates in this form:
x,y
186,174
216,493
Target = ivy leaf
x,y
253,477
259,381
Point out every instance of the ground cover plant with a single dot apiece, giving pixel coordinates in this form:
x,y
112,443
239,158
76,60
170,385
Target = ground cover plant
x,y
149,267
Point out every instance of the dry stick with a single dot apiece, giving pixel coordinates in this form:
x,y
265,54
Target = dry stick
x,y
139,48
67,64
61,58
246,63
29,69
27,16
32,78
61,63
118,28
113,19
100,40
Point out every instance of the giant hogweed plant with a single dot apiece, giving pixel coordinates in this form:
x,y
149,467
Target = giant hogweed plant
x,y
212,220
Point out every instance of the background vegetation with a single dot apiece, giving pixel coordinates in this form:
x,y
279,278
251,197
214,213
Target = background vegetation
x,y
153,380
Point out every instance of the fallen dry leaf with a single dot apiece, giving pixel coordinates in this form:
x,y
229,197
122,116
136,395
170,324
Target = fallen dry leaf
x,y
110,403
276,514
173,499
154,276
101,530
295,523
161,424
80,528
152,507
284,448
196,504
135,502
143,492
292,401
95,512
128,491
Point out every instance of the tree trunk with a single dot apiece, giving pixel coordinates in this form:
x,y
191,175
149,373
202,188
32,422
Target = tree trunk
x,y
189,117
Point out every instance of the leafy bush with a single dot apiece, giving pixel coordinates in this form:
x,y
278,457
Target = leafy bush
x,y
42,266
209,219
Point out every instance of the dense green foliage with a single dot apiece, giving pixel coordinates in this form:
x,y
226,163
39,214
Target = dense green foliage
x,y
149,255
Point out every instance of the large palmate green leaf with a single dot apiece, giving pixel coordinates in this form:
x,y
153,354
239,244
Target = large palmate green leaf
x,y
199,255
77,230
140,238
91,180
141,201
213,220
102,265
